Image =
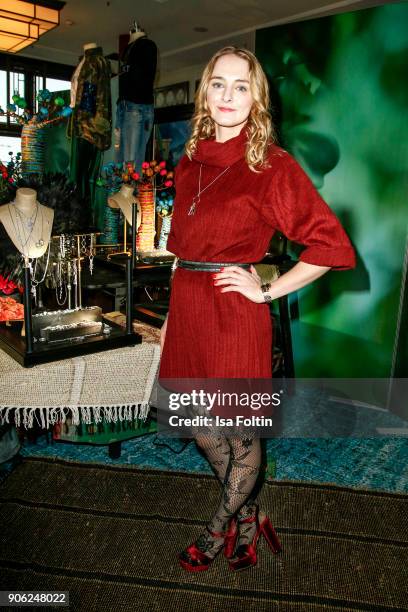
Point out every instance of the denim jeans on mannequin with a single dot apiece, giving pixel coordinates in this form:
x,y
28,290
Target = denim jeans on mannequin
x,y
135,122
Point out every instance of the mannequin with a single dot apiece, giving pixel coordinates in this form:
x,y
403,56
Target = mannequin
x,y
28,223
91,98
135,110
74,78
124,200
90,126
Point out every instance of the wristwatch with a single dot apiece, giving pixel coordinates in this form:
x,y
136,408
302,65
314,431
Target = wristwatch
x,y
267,298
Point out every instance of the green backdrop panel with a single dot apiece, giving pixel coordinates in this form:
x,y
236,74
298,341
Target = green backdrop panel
x,y
340,96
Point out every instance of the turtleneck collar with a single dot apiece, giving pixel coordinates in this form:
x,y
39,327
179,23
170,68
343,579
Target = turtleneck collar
x,y
221,154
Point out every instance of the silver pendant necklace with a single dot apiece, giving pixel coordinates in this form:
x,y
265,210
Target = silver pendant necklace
x,y
30,221
34,281
196,198
40,243
22,237
26,223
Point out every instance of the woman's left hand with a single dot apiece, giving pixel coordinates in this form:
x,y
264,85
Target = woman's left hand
x,y
235,278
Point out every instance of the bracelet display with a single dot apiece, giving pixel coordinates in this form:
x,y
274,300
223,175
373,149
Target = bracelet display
x,y
267,298
265,287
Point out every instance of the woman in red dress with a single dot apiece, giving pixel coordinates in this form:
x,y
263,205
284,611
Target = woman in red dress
x,y
236,187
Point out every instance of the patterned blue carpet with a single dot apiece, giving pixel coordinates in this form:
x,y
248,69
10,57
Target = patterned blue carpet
x,y
371,463
354,455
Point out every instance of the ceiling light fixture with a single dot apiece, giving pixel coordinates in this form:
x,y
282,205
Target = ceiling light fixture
x,y
22,22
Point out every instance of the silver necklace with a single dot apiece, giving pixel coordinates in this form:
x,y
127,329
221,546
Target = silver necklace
x,y
60,284
41,242
91,254
27,223
26,238
29,220
62,245
196,198
34,281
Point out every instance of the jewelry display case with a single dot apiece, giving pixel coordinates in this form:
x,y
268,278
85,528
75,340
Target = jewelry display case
x,y
73,330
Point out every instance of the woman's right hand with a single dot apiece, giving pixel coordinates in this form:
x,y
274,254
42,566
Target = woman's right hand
x,y
163,334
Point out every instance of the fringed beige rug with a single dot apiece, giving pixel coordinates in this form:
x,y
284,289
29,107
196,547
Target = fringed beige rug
x,y
111,385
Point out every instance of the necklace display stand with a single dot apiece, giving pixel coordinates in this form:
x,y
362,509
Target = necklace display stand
x,y
125,201
29,352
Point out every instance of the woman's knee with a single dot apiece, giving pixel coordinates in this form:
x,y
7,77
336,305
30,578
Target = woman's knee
x,y
207,441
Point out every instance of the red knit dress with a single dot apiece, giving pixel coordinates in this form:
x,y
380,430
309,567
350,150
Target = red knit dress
x,y
225,335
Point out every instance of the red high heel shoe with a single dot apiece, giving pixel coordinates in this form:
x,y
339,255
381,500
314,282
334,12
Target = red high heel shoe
x,y
245,555
231,538
199,561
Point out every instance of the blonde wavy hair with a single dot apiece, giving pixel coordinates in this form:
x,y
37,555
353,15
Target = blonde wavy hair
x,y
260,127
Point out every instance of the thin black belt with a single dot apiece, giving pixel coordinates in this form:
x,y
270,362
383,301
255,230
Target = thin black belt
x,y
208,266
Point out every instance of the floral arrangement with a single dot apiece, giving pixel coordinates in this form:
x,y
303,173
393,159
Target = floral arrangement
x,y
7,286
164,205
154,174
50,110
153,184
9,176
112,177
10,309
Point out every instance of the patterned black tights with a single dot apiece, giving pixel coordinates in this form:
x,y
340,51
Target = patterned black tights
x,y
236,462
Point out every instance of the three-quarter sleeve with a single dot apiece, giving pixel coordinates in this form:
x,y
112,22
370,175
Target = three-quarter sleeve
x,y
293,205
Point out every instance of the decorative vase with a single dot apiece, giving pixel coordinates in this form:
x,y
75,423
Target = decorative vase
x,y
164,232
32,149
111,218
146,233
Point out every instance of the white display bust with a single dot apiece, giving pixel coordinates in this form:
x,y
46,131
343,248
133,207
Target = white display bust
x,y
91,45
124,200
28,223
